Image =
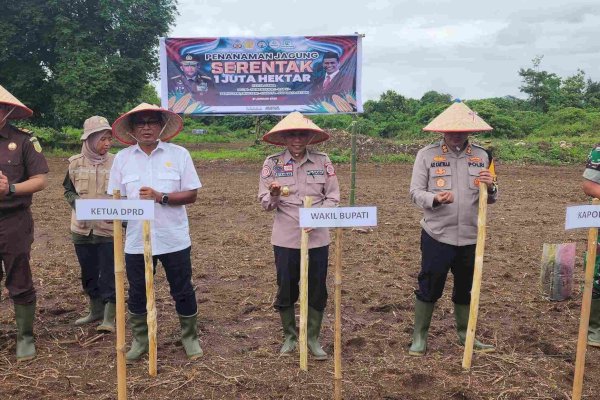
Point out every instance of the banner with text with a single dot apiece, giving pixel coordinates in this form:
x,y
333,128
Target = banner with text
x,y
338,217
587,216
262,75
126,210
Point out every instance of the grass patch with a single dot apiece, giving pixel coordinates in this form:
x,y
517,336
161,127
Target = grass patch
x,y
393,158
249,154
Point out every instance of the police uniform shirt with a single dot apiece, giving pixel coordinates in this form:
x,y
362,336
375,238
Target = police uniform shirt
x,y
313,176
592,167
20,158
169,168
439,169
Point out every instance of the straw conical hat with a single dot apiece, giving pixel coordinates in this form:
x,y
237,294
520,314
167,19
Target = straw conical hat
x,y
122,129
295,122
20,111
458,118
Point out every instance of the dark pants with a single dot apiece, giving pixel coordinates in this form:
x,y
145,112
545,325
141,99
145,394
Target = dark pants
x,y
439,258
97,270
178,268
16,237
287,262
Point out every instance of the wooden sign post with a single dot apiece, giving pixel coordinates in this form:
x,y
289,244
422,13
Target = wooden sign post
x,y
339,217
304,292
477,274
119,210
579,217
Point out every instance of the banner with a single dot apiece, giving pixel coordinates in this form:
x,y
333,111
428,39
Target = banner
x,y
267,75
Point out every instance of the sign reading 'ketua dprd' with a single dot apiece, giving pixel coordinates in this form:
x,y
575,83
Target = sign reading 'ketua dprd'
x,y
128,210
339,217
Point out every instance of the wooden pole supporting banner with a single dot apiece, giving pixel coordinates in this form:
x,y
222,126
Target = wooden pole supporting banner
x,y
120,304
150,303
477,274
337,350
304,292
586,303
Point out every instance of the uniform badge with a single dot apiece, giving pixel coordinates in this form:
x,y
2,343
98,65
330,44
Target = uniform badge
x,y
266,172
444,149
475,159
288,167
330,170
202,87
36,144
168,164
439,158
440,182
285,191
12,146
440,171
476,181
469,150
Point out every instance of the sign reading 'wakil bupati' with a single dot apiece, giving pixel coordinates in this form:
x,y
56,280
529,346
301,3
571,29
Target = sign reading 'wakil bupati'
x,y
339,217
95,209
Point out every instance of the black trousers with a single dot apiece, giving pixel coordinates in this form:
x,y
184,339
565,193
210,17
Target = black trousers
x,y
436,260
97,270
287,262
16,237
178,269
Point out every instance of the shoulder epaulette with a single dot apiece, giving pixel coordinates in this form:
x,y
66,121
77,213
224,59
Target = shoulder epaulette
x,y
276,154
431,146
320,153
176,77
206,77
25,131
75,157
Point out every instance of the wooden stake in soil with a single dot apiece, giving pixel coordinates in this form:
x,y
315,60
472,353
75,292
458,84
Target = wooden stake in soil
x,y
150,303
337,350
304,292
120,304
476,288
586,303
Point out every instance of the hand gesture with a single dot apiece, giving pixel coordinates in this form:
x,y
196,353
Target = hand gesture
x,y
147,193
3,185
275,188
444,197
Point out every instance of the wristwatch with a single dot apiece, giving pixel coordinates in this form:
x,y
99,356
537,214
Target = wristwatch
x,y
11,189
164,200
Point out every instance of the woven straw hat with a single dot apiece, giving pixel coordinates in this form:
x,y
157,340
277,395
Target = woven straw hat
x,y
295,122
458,118
121,128
94,124
20,111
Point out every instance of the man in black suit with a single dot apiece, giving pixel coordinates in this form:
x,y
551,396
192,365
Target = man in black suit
x,y
332,82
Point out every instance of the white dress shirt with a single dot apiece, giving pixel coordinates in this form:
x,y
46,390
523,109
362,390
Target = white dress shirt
x,y
169,168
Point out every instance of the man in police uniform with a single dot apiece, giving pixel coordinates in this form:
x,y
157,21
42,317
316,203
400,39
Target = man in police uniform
x,y
445,184
191,81
286,178
591,187
23,171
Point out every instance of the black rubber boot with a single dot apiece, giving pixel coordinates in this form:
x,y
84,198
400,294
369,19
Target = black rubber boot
x,y
423,313
290,337
594,327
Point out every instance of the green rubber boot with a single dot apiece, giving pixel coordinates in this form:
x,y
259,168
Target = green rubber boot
x,y
139,331
108,324
24,316
96,312
290,337
594,327
423,313
461,314
313,329
189,336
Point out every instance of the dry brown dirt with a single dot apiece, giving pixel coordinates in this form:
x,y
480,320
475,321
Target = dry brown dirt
x,y
235,279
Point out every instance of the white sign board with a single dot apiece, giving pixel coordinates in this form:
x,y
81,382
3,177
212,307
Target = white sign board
x,y
338,217
126,210
587,216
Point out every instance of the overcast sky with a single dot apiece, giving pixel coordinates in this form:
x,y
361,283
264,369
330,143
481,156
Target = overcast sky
x,y
469,49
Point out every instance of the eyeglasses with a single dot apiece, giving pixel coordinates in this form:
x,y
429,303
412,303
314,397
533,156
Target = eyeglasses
x,y
150,122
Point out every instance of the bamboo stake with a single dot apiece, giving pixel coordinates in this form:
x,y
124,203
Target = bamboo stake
x,y
337,350
150,303
477,273
586,303
304,292
120,303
